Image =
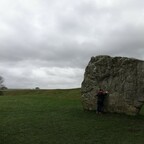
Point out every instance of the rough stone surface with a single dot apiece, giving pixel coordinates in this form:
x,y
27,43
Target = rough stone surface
x,y
122,77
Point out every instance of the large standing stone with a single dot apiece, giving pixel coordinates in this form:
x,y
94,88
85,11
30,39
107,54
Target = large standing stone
x,y
122,77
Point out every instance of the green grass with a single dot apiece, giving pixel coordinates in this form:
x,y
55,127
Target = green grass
x,y
57,117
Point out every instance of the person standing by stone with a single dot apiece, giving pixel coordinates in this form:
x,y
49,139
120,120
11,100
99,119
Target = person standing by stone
x,y
100,101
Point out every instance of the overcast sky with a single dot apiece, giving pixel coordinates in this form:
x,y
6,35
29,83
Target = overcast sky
x,y
48,43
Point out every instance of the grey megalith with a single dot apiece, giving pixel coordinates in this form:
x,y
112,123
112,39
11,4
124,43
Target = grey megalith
x,y
124,79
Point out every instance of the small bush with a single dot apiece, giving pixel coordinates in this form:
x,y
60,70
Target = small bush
x,y
1,92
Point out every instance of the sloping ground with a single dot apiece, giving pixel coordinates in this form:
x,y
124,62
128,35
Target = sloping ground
x,y
57,117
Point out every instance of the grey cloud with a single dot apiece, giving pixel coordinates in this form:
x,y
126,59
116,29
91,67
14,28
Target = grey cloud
x,y
127,41
36,37
44,77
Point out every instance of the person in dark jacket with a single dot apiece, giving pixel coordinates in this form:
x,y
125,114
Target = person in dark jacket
x,y
100,101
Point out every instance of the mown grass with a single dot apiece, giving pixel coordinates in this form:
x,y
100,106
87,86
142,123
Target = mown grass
x,y
57,117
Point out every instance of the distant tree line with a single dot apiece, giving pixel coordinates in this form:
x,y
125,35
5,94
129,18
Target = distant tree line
x,y
2,86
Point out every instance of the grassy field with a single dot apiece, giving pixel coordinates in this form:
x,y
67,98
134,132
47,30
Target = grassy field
x,y
57,117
